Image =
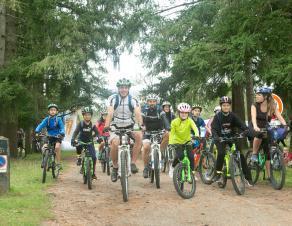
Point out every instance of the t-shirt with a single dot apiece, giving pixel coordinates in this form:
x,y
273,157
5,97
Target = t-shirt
x,y
180,131
85,131
152,119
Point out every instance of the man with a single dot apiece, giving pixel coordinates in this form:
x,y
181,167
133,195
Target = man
x,y
121,109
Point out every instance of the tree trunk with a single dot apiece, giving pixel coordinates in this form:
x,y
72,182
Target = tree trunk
x,y
249,87
238,106
2,34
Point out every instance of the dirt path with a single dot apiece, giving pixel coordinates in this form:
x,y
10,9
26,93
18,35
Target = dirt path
x,y
74,204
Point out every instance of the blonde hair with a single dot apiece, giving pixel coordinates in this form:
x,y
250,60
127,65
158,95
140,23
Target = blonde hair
x,y
271,105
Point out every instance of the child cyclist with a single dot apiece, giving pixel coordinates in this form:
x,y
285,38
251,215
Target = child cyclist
x,y
85,130
180,134
55,129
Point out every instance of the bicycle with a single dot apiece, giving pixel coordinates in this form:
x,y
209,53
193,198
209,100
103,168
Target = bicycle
x,y
155,157
276,163
86,164
105,159
124,159
48,161
21,153
232,165
206,165
167,158
183,176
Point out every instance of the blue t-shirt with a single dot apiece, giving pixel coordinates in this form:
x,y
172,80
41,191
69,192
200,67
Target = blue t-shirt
x,y
54,125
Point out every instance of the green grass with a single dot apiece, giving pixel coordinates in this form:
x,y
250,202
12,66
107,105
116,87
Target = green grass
x,y
27,203
289,177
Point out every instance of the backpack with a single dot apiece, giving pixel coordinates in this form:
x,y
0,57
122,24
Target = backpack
x,y
131,107
55,123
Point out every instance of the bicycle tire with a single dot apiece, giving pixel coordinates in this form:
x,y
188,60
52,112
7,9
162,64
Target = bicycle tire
x,y
253,167
235,170
124,176
277,164
107,162
179,187
89,173
165,161
222,184
156,169
83,167
209,161
45,164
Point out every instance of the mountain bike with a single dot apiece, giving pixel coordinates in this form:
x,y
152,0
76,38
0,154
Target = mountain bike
x,y
155,156
277,166
48,159
105,157
232,165
167,158
86,164
183,178
124,159
206,165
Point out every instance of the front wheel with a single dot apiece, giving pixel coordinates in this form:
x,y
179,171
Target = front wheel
x,y
89,173
186,189
124,176
156,169
277,169
206,167
236,175
45,165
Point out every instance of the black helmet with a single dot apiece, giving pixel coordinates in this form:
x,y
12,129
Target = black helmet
x,y
53,106
225,99
87,110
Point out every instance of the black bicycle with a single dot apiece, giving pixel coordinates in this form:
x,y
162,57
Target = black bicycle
x,y
48,161
105,157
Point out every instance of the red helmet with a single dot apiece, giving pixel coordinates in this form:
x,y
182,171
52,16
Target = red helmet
x,y
225,99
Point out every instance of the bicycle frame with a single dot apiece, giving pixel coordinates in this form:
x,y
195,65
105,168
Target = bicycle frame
x,y
155,138
186,163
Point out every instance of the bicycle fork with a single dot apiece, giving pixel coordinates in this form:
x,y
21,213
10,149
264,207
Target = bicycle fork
x,y
153,148
124,148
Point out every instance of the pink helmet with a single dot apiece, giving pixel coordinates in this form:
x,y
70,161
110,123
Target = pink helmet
x,y
184,107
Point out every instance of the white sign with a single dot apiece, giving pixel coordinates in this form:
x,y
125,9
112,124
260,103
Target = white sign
x,y
3,163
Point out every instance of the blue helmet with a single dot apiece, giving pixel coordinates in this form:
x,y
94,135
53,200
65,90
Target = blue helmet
x,y
264,90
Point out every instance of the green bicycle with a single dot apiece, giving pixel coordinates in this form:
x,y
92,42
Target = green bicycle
x,y
183,178
232,166
87,164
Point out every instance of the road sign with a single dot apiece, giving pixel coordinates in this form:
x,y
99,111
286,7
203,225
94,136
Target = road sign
x,y
279,102
3,163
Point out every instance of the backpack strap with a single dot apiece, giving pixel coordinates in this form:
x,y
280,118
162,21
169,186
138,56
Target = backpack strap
x,y
55,123
116,102
131,107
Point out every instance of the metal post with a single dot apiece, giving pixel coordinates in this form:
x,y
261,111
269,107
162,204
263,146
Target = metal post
x,y
4,165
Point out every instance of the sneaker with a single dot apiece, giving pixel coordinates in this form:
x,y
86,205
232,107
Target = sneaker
x,y
134,168
216,178
146,172
248,183
94,177
114,175
170,173
254,158
79,161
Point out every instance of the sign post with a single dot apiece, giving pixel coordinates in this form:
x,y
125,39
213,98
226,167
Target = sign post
x,y
4,165
279,102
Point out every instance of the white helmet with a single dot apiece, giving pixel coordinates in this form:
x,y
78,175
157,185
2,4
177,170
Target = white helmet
x,y
184,107
152,96
217,108
166,103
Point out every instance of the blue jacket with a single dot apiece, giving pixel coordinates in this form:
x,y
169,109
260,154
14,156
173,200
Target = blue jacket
x,y
55,126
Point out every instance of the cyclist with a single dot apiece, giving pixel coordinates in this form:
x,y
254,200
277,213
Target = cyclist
x,y
196,113
121,109
84,131
261,114
55,129
20,138
180,135
224,124
167,116
100,126
152,120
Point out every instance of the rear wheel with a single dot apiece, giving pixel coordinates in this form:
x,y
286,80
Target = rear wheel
x,y
45,165
207,167
186,189
165,161
236,175
124,175
277,169
253,167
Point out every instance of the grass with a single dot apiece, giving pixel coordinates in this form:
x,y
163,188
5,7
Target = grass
x,y
26,203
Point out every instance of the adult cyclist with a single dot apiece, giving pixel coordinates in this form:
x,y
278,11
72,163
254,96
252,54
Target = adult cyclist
x,y
122,107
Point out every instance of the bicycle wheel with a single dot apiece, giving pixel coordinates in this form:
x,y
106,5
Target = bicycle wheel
x,y
107,160
277,169
253,167
165,160
236,175
222,183
84,170
45,165
207,167
124,175
55,170
89,173
186,189
156,168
